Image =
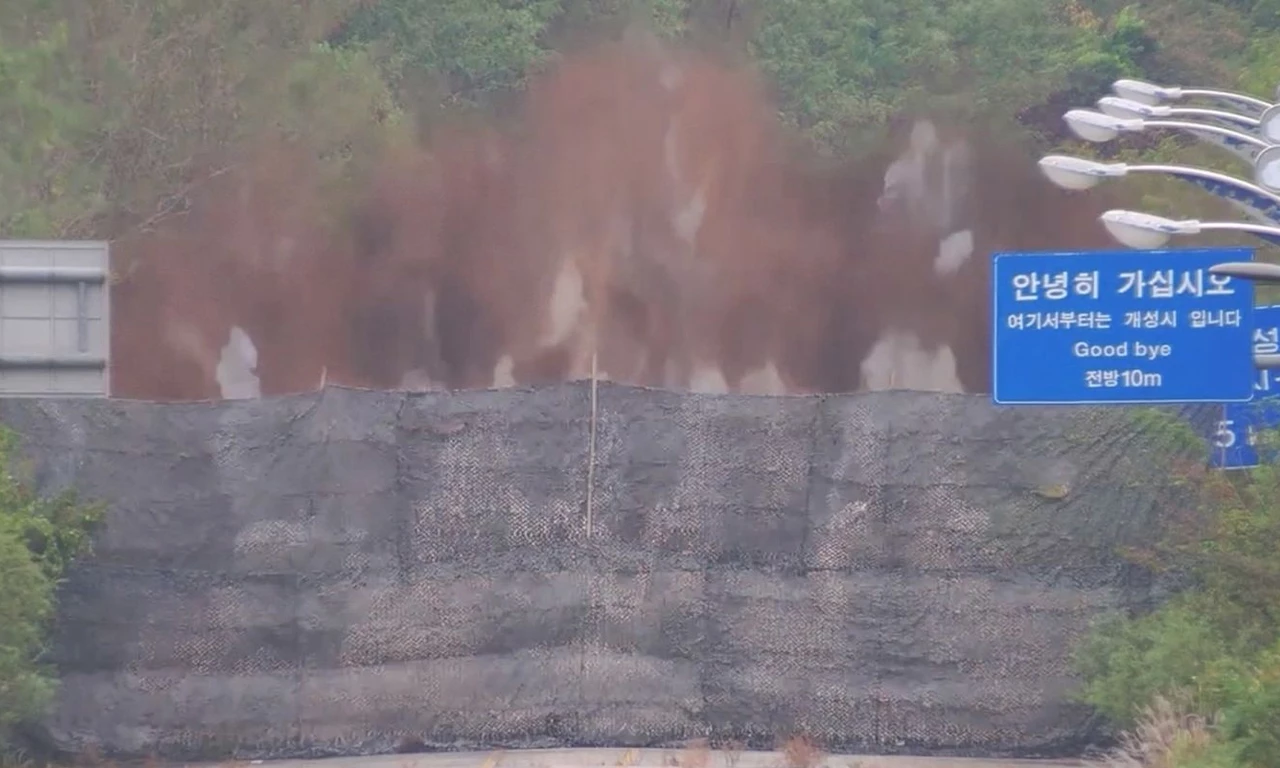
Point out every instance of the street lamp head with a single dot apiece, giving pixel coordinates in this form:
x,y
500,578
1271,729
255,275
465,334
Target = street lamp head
x,y
1098,127
1269,124
1258,271
1128,109
1143,230
1141,91
1077,173
1266,169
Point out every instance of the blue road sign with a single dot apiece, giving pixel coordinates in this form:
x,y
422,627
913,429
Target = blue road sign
x,y
1236,441
1121,326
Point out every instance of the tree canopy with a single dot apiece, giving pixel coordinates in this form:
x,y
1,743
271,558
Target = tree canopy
x,y
111,111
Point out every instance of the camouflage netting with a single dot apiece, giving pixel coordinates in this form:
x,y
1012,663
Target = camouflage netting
x,y
350,571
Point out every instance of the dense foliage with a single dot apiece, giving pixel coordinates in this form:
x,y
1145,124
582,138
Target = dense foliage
x,y
39,537
1215,648
111,112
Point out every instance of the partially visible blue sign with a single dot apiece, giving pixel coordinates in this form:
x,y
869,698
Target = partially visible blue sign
x,y
1121,326
1236,443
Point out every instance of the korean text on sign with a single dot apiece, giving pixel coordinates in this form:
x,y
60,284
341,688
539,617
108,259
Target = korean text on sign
x,y
1156,284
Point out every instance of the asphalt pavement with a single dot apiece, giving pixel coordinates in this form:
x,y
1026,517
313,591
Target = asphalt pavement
x,y
647,758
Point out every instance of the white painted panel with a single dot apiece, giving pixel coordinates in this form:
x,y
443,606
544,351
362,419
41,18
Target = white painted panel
x,y
55,329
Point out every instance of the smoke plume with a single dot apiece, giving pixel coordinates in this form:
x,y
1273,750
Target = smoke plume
x,y
647,219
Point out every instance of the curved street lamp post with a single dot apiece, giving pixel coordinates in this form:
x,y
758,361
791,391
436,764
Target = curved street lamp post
x,y
1155,95
1078,173
1145,231
1116,106
1100,127
1126,108
1248,126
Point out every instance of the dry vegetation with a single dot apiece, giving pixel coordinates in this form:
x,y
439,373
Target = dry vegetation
x,y
1166,736
796,751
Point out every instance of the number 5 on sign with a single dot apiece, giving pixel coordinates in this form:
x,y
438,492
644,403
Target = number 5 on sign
x,y
1225,437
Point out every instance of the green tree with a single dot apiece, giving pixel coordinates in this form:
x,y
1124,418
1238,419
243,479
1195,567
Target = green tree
x,y
116,110
467,50
39,539
1218,643
44,189
844,67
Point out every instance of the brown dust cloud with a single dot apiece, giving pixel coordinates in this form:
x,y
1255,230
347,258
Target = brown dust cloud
x,y
647,217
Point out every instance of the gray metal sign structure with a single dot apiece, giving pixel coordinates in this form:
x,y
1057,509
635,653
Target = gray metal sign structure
x,y
55,330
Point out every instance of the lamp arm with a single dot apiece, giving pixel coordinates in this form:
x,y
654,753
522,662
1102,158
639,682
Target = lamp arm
x,y
1209,175
1217,130
1218,113
1239,226
1239,98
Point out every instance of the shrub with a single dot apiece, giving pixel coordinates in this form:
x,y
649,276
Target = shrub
x,y
1216,647
1128,663
39,538
1250,721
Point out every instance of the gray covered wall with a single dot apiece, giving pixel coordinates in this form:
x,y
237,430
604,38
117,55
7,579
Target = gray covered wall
x,y
347,571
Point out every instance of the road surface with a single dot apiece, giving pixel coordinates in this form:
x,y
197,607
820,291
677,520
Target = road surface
x,y
648,758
